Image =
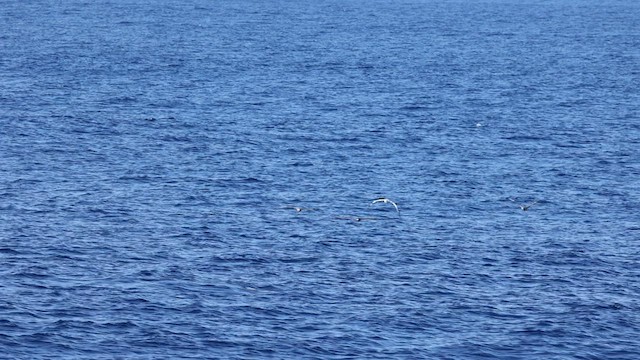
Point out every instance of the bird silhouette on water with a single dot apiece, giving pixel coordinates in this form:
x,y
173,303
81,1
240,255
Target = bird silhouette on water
x,y
525,207
356,218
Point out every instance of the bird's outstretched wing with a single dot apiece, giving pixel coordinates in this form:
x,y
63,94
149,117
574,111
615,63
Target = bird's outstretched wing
x,y
386,201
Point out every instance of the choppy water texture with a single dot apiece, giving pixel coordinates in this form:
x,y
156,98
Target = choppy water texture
x,y
151,154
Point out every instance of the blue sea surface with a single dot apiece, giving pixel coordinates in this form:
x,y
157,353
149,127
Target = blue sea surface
x,y
154,156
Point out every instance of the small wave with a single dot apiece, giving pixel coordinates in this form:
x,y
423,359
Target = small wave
x,y
526,138
302,164
140,178
251,180
311,259
175,138
414,108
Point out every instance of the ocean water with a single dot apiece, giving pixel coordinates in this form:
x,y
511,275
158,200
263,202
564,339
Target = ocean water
x,y
152,154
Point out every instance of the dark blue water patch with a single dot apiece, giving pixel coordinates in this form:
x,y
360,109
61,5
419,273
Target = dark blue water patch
x,y
9,251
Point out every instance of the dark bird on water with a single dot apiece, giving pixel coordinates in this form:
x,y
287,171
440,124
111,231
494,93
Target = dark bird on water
x,y
299,209
356,218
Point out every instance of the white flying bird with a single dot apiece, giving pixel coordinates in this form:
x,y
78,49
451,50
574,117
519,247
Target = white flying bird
x,y
386,201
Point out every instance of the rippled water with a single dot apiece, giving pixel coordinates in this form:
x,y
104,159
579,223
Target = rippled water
x,y
152,154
